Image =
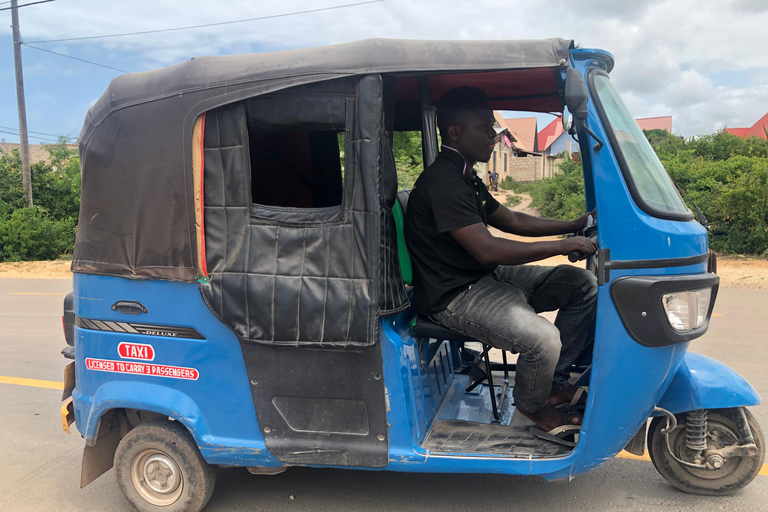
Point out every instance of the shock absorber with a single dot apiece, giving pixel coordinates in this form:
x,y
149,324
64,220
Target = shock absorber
x,y
696,432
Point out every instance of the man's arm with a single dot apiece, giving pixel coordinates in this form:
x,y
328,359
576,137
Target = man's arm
x,y
488,249
522,224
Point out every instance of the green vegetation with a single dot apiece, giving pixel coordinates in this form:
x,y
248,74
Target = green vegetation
x,y
509,183
46,231
512,200
407,149
561,196
725,175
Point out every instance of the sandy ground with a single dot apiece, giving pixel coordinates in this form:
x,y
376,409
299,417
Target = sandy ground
x,y
734,272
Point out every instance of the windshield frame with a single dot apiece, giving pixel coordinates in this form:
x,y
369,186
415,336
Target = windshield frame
x,y
624,166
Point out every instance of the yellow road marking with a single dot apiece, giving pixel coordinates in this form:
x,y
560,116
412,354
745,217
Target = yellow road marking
x,y
34,293
35,383
718,314
626,455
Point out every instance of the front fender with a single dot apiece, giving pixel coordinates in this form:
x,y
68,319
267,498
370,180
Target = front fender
x,y
704,383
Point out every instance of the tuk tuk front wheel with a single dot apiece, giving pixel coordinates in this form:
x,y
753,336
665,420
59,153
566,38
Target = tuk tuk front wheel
x,y
722,431
158,467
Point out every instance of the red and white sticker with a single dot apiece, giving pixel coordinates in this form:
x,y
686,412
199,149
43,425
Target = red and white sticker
x,y
155,370
136,351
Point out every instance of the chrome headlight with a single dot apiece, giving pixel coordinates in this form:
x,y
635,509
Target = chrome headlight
x,y
687,310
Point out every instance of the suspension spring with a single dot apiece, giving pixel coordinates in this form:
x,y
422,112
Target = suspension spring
x,y
696,430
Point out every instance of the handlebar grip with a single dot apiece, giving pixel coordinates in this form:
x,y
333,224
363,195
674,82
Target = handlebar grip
x,y
575,256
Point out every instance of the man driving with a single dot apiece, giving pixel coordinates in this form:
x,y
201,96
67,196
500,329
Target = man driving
x,y
478,284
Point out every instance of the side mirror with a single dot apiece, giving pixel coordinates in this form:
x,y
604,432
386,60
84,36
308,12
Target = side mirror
x,y
567,119
576,96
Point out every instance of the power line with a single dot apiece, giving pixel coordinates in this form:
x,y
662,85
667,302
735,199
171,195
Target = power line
x,y
211,24
30,131
25,5
74,58
32,136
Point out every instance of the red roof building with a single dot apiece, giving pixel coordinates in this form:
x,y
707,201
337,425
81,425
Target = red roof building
x,y
525,131
655,123
759,129
550,133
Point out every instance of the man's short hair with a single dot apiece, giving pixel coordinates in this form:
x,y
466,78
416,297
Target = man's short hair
x,y
456,101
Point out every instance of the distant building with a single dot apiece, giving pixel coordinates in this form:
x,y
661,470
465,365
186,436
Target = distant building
x,y
514,154
553,139
525,131
37,152
759,129
655,123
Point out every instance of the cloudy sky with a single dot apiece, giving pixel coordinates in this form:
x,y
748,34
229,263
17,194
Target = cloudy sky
x,y
703,62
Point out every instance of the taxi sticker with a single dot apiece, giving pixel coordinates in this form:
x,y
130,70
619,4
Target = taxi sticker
x,y
136,351
155,370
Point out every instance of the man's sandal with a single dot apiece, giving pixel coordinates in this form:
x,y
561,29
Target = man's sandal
x,y
577,403
560,435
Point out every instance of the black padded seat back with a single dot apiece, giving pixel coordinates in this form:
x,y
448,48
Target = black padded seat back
x,y
402,197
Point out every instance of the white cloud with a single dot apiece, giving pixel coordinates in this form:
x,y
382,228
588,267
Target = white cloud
x,y
665,51
691,88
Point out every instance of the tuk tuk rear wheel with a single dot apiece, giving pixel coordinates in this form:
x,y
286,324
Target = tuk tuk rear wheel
x,y
735,474
158,467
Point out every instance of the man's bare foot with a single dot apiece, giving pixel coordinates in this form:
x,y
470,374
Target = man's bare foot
x,y
564,396
549,417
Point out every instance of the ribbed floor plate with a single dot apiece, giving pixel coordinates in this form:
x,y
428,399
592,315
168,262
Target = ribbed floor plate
x,y
458,436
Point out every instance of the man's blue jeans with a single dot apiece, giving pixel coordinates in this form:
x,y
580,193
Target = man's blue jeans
x,y
502,309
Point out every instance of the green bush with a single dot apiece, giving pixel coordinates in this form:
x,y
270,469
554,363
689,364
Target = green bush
x,y
726,176
31,234
46,231
509,183
562,195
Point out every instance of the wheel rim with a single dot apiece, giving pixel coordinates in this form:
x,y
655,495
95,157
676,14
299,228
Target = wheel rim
x,y
156,477
719,436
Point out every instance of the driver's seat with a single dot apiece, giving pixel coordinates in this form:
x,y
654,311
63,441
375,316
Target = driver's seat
x,y
424,327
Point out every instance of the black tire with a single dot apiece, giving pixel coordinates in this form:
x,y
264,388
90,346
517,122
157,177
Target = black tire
x,y
179,478
735,474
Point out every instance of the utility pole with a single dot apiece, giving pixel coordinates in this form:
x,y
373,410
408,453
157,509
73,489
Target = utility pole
x,y
26,177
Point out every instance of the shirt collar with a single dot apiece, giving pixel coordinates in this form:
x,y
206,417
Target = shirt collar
x,y
453,155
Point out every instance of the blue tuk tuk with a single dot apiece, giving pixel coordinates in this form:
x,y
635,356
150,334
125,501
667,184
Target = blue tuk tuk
x,y
241,291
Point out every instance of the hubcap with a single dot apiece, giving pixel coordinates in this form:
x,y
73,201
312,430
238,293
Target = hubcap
x,y
718,436
156,477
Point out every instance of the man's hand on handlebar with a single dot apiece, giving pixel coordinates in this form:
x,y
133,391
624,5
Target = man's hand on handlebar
x,y
581,222
578,244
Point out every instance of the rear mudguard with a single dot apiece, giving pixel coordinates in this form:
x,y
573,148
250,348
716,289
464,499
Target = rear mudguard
x,y
704,383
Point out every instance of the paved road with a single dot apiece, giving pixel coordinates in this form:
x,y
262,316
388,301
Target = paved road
x,y
40,464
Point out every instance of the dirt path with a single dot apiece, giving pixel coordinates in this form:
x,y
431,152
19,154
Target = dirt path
x,y
734,272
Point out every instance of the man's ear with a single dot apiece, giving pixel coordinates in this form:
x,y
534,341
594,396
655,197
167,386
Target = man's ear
x,y
453,132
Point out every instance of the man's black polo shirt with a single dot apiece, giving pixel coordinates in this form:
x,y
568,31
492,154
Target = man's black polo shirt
x,y
446,196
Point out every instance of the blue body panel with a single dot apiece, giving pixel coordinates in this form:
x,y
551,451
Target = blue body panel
x,y
217,408
703,383
627,380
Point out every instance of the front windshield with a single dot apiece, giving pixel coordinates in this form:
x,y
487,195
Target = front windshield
x,y
651,180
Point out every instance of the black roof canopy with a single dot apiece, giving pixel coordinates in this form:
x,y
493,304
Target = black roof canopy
x,y
137,212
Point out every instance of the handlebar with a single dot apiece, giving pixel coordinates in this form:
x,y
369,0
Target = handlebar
x,y
575,256
589,231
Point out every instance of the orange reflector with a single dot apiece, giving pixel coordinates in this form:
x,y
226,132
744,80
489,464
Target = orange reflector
x,y
67,414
